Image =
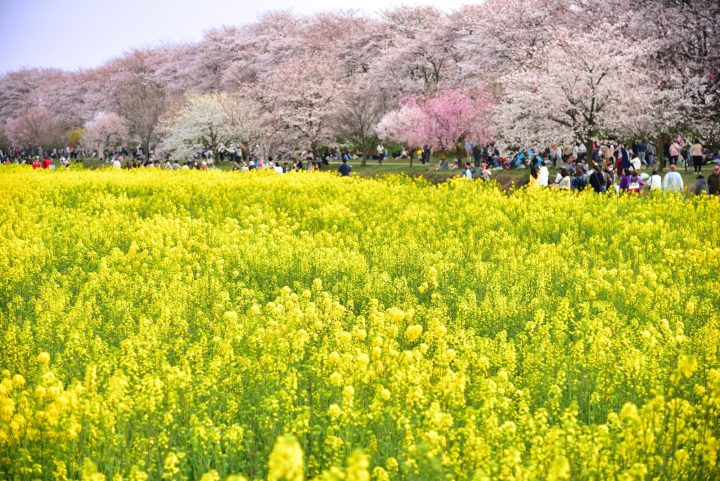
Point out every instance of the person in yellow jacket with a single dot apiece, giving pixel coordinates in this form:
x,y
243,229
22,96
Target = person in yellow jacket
x,y
534,180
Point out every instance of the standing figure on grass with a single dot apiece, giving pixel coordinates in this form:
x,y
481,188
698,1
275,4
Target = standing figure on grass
x,y
485,172
534,180
655,183
598,179
345,168
714,181
625,180
579,182
544,175
673,181
565,183
701,185
636,183
697,156
467,172
674,151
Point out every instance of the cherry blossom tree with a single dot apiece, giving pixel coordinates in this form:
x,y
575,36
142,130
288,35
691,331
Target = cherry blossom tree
x,y
274,39
446,120
297,99
587,85
687,59
4,141
357,113
106,130
419,54
36,127
21,90
210,121
406,125
558,69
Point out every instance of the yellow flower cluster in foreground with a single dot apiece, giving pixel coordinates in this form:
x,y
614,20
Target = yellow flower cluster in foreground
x,y
212,326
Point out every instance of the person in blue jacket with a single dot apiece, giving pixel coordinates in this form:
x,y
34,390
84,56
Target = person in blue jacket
x,y
517,160
625,157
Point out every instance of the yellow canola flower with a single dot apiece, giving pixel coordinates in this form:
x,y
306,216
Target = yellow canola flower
x,y
413,332
687,365
236,477
90,472
18,381
170,466
211,475
286,460
43,358
358,464
559,469
168,325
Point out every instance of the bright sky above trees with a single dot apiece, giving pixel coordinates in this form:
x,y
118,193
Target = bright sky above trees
x,y
72,34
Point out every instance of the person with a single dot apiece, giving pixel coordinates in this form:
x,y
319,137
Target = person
x,y
544,175
640,148
116,164
636,183
697,156
673,181
625,180
674,151
380,149
467,172
597,179
714,181
624,158
609,172
36,163
650,153
345,168
485,172
565,182
443,164
579,182
655,183
534,180
582,151
701,186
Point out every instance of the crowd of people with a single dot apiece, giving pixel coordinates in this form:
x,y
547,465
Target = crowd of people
x,y
609,167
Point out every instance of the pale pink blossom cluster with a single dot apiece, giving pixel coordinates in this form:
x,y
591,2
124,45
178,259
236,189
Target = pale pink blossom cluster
x,y
525,72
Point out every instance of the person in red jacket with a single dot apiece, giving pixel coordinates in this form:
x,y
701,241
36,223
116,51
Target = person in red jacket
x,y
46,162
36,163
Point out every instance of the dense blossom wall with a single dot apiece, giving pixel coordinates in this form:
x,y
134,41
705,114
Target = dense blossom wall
x,y
558,70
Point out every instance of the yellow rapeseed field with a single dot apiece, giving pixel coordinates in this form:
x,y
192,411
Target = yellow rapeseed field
x,y
219,326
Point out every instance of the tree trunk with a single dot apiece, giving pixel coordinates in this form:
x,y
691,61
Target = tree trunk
x,y
660,150
363,151
146,149
589,148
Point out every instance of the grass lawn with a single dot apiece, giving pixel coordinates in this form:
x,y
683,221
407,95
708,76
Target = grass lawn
x,y
506,179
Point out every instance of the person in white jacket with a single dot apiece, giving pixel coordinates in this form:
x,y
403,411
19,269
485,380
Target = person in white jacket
x,y
655,182
673,182
543,175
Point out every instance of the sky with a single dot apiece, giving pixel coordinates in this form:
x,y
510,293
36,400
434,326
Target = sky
x,y
72,34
